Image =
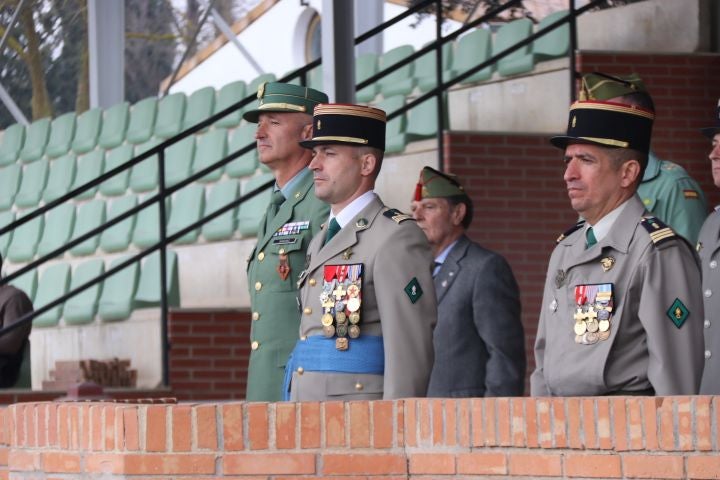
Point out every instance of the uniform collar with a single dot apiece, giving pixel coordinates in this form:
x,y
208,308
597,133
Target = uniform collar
x,y
289,189
653,167
353,208
604,225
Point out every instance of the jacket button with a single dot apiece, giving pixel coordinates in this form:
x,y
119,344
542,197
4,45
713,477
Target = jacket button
x,y
261,256
706,323
307,310
258,286
708,293
312,282
281,251
713,264
255,345
358,386
708,354
303,338
256,315
300,370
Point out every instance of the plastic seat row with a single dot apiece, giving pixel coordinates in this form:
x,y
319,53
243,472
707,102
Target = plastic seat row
x,y
112,299
46,180
44,234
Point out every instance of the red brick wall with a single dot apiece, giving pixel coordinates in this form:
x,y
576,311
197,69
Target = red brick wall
x,y
617,437
516,180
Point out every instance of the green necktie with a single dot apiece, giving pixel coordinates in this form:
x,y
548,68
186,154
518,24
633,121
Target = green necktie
x,y
333,228
590,236
276,200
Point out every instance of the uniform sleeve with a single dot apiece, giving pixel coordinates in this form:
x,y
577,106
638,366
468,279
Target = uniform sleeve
x,y
496,311
17,305
538,383
685,208
403,262
671,312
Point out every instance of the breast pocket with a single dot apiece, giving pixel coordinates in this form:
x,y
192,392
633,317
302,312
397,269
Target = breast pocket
x,y
287,256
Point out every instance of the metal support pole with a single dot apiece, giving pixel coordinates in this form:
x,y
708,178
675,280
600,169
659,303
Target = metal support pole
x,y
440,93
163,273
573,47
227,31
338,50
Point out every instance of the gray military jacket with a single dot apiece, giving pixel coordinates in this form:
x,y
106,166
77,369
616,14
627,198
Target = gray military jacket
x,y
655,334
709,250
392,253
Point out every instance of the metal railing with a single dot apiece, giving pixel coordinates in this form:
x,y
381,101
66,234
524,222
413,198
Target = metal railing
x,y
165,191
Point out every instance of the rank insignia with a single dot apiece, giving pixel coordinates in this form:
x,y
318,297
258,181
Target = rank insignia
x,y
678,313
607,263
413,290
691,194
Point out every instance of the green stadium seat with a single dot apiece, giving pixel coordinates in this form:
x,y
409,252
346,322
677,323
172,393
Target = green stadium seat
x,y
251,211
228,95
144,175
472,49
9,183
117,237
396,83
117,184
114,126
553,44
315,78
81,309
395,137
25,239
425,76
142,121
60,178
200,106
59,223
89,167
521,60
171,111
188,207
253,86
87,131
36,138
33,183
423,120
223,227
53,284
149,288
211,148
366,65
6,218
178,160
147,223
246,164
27,282
62,132
12,142
118,292
90,216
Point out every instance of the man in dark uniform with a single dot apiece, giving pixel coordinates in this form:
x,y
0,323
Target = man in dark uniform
x,y
622,310
367,297
284,118
708,248
14,346
479,323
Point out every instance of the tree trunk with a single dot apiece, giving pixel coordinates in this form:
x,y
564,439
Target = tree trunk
x,y
41,106
82,100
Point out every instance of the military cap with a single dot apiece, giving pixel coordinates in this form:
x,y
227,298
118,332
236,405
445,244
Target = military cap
x,y
601,86
710,132
285,97
608,124
355,125
435,184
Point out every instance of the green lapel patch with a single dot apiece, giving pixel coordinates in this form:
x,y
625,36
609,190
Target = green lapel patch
x,y
678,313
413,290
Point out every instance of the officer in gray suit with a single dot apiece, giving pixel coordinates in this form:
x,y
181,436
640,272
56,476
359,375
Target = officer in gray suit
x,y
622,311
366,294
708,248
478,339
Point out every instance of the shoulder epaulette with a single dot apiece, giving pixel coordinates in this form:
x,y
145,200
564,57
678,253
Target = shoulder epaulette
x,y
569,231
659,232
396,215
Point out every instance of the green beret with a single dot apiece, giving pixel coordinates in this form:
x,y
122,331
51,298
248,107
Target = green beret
x,y
355,125
600,86
710,132
435,184
285,97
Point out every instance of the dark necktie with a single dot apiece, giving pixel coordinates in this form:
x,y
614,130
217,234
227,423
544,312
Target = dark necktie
x,y
276,200
333,228
436,268
590,236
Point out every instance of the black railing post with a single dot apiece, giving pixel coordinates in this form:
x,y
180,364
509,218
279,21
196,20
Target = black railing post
x,y
439,77
573,47
163,272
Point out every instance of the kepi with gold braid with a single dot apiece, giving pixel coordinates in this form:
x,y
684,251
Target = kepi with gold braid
x,y
285,97
710,132
355,125
608,124
435,184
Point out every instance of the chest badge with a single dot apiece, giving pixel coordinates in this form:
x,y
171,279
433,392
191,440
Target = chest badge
x,y
560,277
347,253
607,263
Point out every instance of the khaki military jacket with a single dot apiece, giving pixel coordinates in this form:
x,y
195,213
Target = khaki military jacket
x,y
392,253
654,339
709,250
273,299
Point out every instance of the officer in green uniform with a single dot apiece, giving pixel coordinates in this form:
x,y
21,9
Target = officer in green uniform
x,y
284,118
666,189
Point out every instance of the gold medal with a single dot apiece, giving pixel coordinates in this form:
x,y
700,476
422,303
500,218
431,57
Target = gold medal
x,y
353,304
329,331
353,290
354,331
604,325
326,320
591,338
341,344
355,318
580,328
341,331
341,318
592,325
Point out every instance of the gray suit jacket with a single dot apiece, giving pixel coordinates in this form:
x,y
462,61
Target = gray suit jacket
x,y
478,340
709,250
